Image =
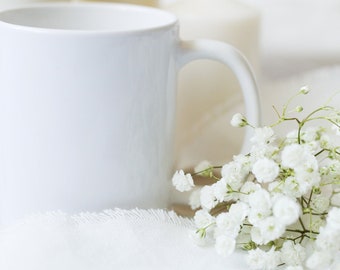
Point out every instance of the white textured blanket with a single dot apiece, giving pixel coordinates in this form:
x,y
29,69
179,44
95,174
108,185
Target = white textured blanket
x,y
113,239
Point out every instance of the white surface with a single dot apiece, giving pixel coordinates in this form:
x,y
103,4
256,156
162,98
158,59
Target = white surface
x,y
116,239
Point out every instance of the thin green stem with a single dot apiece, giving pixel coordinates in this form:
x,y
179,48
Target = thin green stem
x,y
310,198
206,170
320,152
302,225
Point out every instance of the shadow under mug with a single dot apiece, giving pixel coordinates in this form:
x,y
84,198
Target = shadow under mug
x,y
87,105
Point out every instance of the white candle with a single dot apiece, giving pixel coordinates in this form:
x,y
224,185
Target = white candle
x,y
205,85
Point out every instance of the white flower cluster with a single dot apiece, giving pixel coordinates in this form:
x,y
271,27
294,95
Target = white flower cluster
x,y
182,181
327,245
280,201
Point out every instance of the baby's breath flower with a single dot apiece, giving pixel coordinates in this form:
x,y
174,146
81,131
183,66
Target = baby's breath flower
x,y
327,240
208,198
286,210
258,259
194,199
221,191
320,203
228,224
319,260
256,236
293,155
202,237
263,135
238,120
263,151
203,219
276,187
225,245
234,173
306,179
271,228
240,210
260,206
304,90
278,199
296,267
333,219
182,182
248,188
316,223
293,254
299,109
331,172
265,170
292,187
199,237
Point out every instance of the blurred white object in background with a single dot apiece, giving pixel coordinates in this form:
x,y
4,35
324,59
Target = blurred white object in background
x,y
151,3
298,35
204,86
5,4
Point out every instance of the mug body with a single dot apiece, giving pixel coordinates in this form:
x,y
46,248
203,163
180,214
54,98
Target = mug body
x,y
87,104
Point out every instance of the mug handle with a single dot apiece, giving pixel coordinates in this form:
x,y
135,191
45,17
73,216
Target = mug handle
x,y
230,56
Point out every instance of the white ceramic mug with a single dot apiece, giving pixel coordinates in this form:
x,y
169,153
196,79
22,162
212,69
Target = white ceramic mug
x,y
87,105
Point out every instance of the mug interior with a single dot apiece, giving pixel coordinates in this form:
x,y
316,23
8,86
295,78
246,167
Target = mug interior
x,y
88,17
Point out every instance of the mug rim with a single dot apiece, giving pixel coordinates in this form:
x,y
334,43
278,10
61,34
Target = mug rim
x,y
172,20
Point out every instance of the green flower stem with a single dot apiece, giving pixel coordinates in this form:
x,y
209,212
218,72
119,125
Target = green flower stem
x,y
282,119
292,239
333,122
204,229
320,152
211,175
310,198
301,231
303,234
302,201
309,116
319,214
302,225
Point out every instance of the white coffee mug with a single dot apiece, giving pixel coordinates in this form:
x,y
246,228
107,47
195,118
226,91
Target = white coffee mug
x,y
87,105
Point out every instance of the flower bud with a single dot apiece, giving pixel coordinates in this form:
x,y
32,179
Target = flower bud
x,y
299,109
238,120
304,90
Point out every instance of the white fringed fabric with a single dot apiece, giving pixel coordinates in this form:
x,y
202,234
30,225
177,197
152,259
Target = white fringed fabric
x,y
112,239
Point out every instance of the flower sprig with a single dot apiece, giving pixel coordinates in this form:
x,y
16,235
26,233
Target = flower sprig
x,y
280,201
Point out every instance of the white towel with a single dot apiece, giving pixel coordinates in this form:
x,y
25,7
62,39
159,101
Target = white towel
x,y
113,239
